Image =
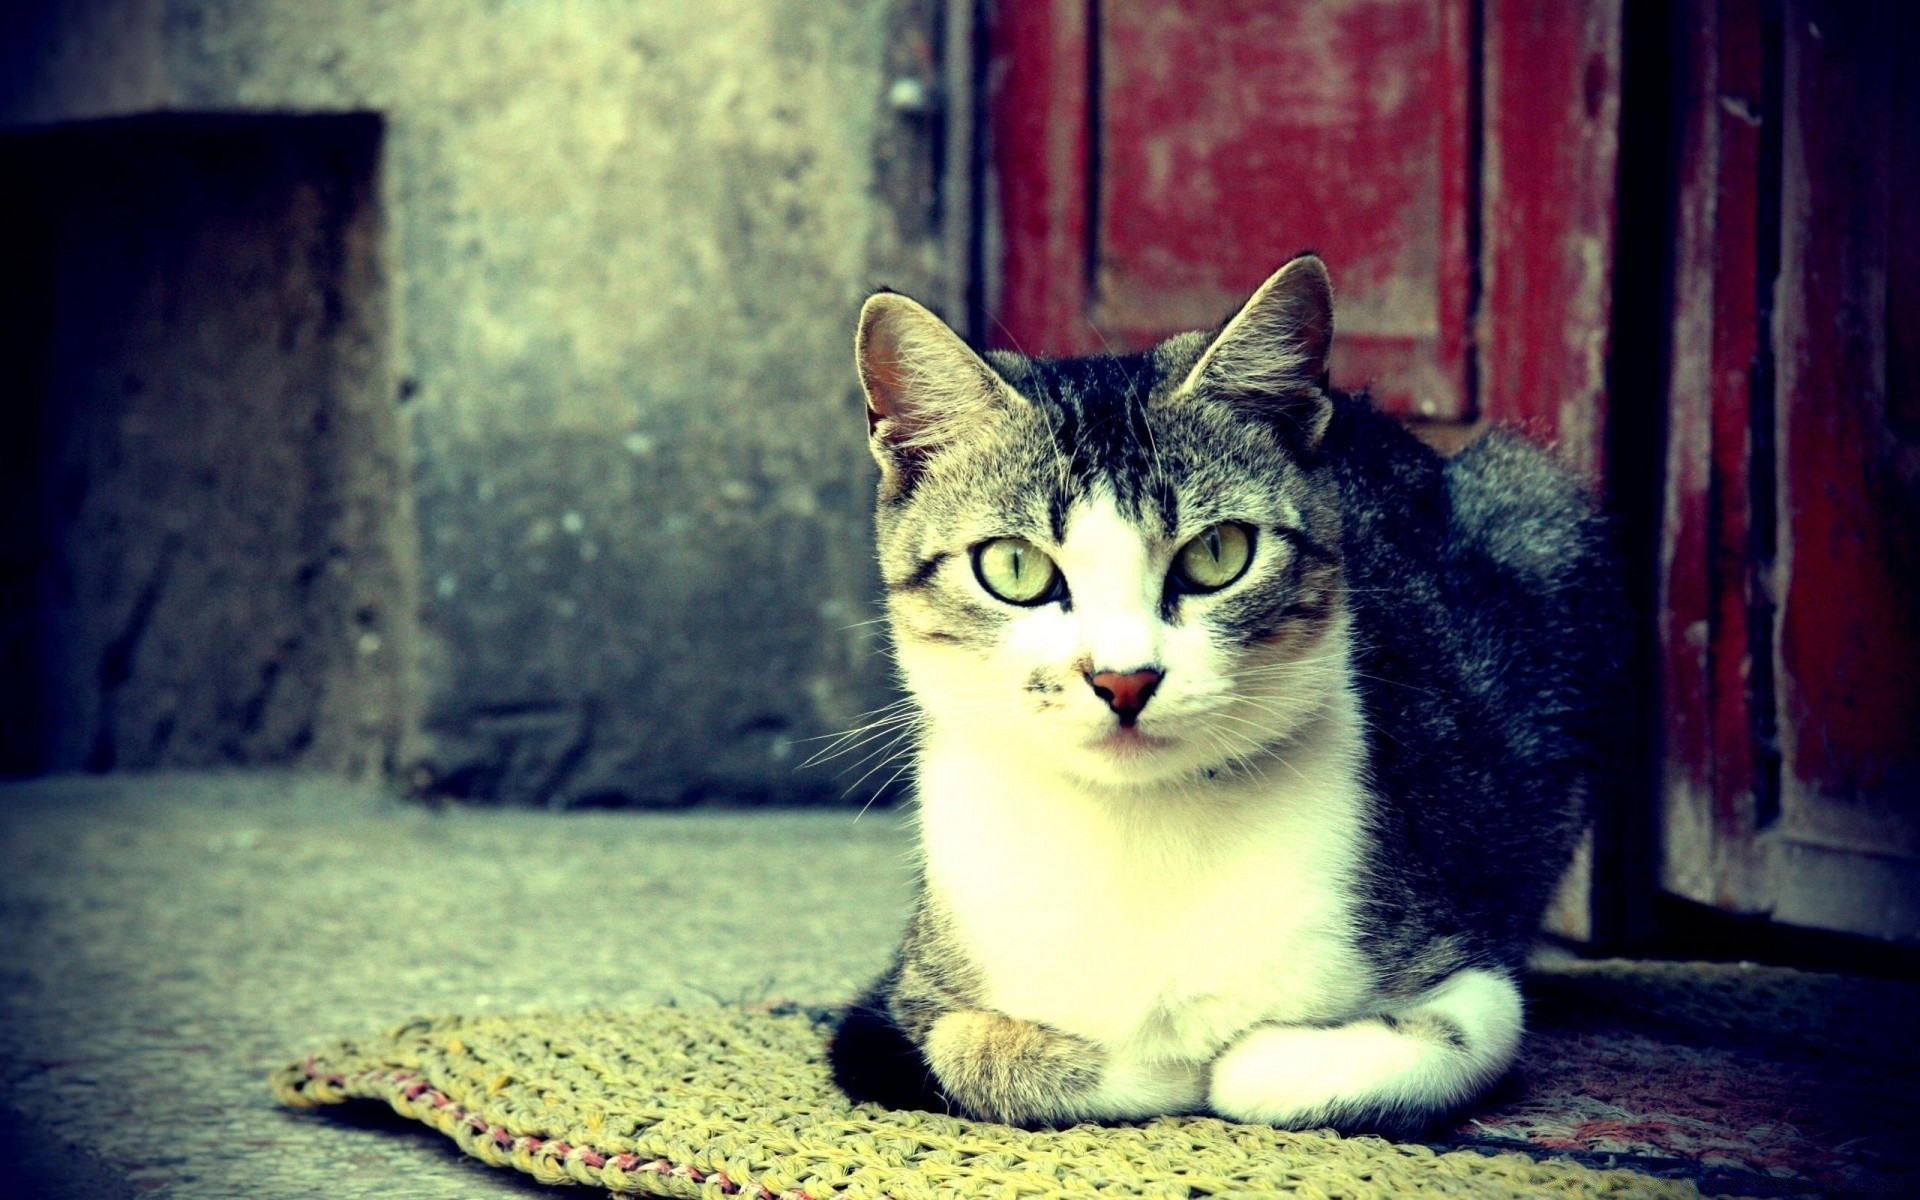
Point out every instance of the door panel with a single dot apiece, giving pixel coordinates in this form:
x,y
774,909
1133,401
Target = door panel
x,y
1791,618
1232,135
1551,152
1150,162
1848,566
1711,634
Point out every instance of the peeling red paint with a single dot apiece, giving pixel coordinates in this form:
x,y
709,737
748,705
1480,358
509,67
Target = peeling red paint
x,y
1849,501
1551,142
1705,553
1038,105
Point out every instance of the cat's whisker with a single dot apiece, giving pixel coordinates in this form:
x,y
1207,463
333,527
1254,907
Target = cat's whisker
x,y
853,739
1104,343
1268,751
1399,683
1341,654
869,773
1010,337
871,721
886,751
836,740
891,706
882,790
1311,673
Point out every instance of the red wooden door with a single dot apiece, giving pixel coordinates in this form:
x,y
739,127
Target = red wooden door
x,y
1791,559
1453,160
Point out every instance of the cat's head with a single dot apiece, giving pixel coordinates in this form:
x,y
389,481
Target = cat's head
x,y
1122,567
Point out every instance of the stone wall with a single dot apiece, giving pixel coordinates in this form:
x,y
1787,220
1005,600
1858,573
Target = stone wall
x,y
619,251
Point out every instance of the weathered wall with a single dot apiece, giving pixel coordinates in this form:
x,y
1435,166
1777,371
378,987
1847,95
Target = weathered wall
x,y
625,246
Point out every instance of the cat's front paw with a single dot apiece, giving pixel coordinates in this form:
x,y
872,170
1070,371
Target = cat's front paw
x,y
1299,1077
1394,1073
1000,1068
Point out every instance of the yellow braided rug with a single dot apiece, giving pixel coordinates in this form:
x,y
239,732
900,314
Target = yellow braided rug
x,y
1624,1061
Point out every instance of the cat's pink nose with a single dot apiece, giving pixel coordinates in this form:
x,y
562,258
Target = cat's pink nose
x,y
1125,692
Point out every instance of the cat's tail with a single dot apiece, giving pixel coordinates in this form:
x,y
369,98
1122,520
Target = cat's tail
x,y
873,1059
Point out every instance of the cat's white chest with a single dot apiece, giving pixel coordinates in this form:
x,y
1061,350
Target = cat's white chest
x,y
1164,925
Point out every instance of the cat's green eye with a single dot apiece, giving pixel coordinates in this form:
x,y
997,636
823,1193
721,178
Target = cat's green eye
x,y
1214,559
1016,571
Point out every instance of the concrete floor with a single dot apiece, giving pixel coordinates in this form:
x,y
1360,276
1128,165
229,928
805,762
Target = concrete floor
x,y
167,940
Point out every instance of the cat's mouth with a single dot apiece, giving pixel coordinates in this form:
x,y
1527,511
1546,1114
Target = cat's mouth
x,y
1128,741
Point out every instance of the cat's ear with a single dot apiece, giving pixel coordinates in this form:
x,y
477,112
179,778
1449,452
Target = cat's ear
x,y
924,385
1272,355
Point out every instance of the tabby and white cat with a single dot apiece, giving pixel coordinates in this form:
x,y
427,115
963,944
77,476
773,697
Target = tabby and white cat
x,y
1255,734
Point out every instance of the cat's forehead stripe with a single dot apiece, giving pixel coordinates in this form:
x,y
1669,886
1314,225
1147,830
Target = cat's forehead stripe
x,y
1096,410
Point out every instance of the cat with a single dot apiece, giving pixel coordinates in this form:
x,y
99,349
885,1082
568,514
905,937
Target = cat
x,y
1253,735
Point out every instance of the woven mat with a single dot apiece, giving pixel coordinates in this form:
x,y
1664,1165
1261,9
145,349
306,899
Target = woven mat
x,y
1639,1080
